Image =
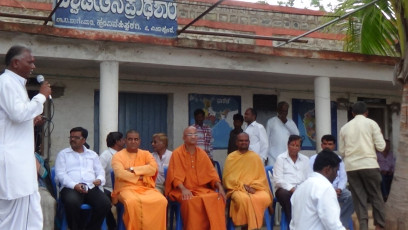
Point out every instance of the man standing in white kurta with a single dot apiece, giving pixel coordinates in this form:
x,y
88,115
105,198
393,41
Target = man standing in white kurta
x,y
257,134
278,129
20,206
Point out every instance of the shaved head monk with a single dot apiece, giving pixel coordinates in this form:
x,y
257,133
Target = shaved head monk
x,y
135,174
245,180
192,181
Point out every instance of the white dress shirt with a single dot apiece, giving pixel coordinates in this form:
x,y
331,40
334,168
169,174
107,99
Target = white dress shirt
x,y
315,205
18,173
341,179
161,163
106,160
278,135
288,174
72,168
258,139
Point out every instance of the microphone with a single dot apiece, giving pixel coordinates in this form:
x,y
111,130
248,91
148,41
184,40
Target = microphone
x,y
40,79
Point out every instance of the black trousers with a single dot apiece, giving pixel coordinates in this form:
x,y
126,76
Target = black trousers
x,y
72,203
283,196
386,185
110,219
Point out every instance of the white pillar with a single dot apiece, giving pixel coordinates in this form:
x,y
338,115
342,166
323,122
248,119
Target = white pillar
x,y
108,100
322,108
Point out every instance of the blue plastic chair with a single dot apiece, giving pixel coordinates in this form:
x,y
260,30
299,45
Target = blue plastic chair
x,y
54,185
120,208
218,167
60,206
351,224
283,222
174,207
175,211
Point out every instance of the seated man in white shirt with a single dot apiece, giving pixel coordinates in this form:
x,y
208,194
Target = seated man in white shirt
x,y
162,156
80,173
343,194
290,170
314,203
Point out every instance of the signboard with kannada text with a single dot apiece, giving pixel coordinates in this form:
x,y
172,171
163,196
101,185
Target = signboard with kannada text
x,y
148,17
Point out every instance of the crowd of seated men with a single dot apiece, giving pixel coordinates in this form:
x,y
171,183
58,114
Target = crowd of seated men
x,y
193,182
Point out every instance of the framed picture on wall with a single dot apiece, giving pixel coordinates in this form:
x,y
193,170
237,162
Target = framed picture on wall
x,y
303,114
219,110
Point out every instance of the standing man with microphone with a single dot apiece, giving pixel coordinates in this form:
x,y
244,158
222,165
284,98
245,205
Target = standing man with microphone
x,y
19,196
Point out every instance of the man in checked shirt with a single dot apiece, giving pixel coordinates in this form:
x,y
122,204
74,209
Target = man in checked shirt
x,y
204,139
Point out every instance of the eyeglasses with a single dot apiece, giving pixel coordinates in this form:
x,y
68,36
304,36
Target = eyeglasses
x,y
192,134
75,137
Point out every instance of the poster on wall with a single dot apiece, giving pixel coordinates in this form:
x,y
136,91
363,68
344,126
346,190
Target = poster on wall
x,y
219,110
303,114
149,17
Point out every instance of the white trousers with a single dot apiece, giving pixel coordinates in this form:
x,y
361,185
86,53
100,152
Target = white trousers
x,y
22,213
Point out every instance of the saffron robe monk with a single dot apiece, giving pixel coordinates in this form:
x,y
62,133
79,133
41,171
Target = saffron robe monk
x,y
245,180
192,180
135,173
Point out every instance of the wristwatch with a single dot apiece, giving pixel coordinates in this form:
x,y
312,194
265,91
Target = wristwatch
x,y
131,169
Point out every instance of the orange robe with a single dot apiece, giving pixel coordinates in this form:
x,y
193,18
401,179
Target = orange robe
x,y
206,210
145,207
246,208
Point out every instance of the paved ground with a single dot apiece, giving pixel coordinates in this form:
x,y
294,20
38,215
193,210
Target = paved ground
x,y
355,221
354,217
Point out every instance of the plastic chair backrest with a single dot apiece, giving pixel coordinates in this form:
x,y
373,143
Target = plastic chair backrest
x,y
174,209
269,171
218,167
112,174
165,172
119,206
54,184
283,223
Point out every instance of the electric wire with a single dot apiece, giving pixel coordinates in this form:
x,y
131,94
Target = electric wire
x,y
250,9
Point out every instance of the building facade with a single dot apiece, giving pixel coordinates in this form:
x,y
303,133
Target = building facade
x,y
107,81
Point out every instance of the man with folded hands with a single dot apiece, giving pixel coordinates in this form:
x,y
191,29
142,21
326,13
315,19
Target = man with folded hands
x,y
135,174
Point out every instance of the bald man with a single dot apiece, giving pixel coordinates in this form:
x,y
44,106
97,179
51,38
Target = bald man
x,y
192,180
245,180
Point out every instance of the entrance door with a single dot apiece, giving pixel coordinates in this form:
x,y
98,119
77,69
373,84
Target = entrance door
x,y
145,113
